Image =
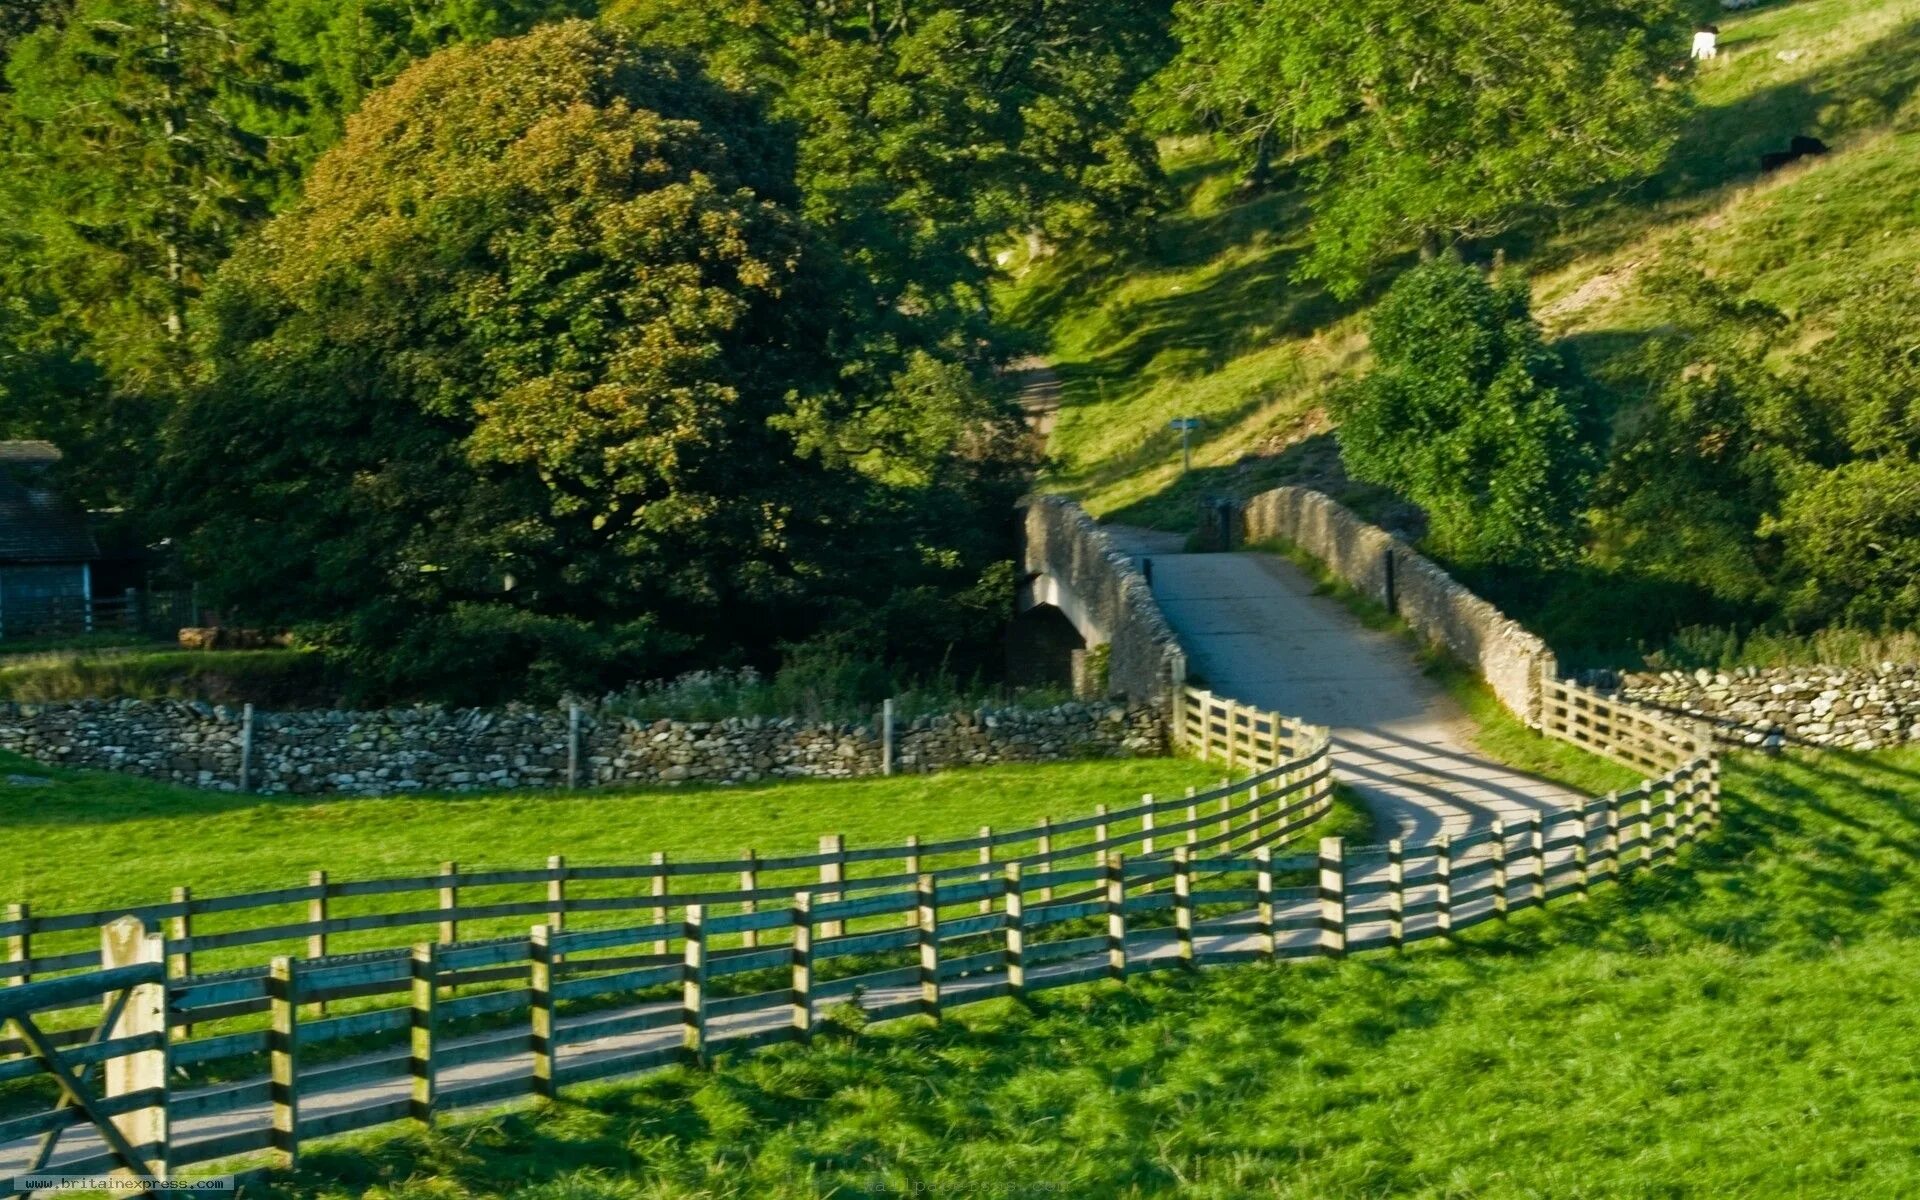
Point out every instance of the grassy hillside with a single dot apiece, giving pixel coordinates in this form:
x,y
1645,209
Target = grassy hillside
x,y
1204,320
1735,1028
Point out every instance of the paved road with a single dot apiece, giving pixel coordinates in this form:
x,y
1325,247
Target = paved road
x,y
1254,630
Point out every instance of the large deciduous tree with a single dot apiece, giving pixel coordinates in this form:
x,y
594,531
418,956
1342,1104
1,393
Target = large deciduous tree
x,y
1426,122
1470,414
544,373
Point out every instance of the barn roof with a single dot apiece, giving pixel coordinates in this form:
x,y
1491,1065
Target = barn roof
x,y
37,524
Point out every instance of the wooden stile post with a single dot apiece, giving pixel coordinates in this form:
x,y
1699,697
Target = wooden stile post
x,y
693,977
283,1059
986,860
1537,843
660,910
1263,893
832,872
1333,897
20,943
1016,918
317,914
425,974
927,907
1499,846
449,901
1183,903
1396,893
125,943
1443,885
1116,866
540,987
800,994
749,881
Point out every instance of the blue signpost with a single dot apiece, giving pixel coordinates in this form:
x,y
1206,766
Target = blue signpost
x,y
1186,426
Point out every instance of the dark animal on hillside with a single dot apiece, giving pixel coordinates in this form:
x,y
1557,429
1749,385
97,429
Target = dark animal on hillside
x,y
1801,147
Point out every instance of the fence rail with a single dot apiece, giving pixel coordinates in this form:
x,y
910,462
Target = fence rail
x,y
734,954
70,616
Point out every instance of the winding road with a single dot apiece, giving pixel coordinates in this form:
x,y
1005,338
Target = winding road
x,y
1254,629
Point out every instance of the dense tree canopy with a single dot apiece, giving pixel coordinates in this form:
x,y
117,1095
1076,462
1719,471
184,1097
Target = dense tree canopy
x,y
535,366
1429,122
1470,414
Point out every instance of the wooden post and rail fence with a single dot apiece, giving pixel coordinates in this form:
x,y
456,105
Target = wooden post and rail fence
x,y
746,952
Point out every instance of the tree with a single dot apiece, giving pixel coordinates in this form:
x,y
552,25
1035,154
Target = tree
x,y
1429,123
1850,540
1468,413
133,176
540,381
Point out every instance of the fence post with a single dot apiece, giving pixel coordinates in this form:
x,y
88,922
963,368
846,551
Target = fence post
x,y
449,901
20,944
1193,817
913,869
1499,845
1100,835
693,976
886,736
557,892
832,871
1646,823
1443,885
1253,817
1263,896
1670,822
125,943
180,960
1396,893
246,748
1333,897
800,993
1045,852
1611,848
1537,842
1183,903
317,915
283,1059
1016,917
927,906
1116,866
425,974
573,746
749,882
660,946
1146,825
1581,866
540,988
986,860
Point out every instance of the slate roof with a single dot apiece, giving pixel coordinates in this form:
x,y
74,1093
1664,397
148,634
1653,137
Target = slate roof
x,y
36,523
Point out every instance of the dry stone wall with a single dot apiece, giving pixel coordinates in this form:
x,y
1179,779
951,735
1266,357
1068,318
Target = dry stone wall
x,y
1388,571
1065,546
1853,708
440,749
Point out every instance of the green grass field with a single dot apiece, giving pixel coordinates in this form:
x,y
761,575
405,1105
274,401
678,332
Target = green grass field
x,y
1203,319
160,835
1737,1027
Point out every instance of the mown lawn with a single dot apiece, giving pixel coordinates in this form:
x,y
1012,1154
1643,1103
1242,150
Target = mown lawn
x,y
1740,1027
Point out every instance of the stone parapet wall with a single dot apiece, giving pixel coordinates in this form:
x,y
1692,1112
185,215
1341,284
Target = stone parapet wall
x,y
1395,575
1852,708
1104,591
440,749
